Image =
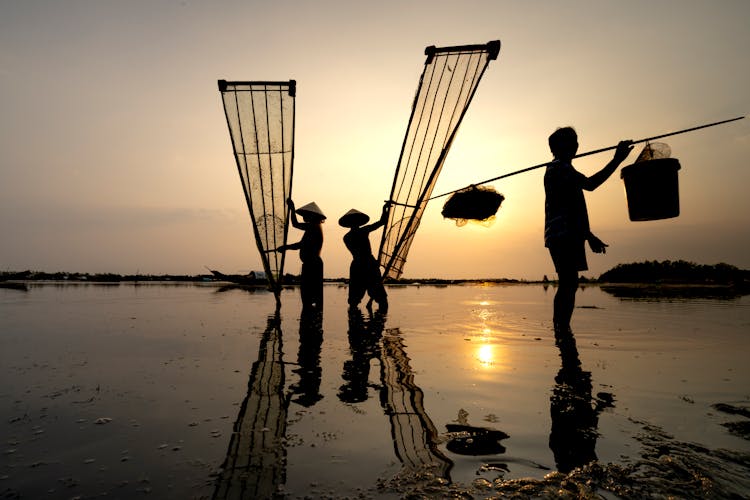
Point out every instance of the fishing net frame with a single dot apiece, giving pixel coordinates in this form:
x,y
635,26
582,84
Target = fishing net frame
x,y
446,87
261,120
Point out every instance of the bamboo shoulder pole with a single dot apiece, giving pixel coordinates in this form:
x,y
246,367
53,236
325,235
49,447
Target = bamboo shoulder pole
x,y
646,139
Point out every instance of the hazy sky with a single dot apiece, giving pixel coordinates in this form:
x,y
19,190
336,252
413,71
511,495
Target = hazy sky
x,y
115,154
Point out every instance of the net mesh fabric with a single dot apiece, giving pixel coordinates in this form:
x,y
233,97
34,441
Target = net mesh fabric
x,y
260,117
446,87
654,151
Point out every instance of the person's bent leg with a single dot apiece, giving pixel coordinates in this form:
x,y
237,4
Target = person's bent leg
x,y
311,285
376,289
356,286
378,294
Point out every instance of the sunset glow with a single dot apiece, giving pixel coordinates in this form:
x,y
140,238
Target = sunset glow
x,y
137,172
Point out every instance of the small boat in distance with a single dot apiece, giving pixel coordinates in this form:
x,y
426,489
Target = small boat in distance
x,y
12,280
253,278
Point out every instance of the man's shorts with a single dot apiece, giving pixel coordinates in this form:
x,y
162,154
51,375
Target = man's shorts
x,y
569,256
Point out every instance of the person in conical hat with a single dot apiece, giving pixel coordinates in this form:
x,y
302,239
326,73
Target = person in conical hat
x,y
364,272
311,210
311,276
353,218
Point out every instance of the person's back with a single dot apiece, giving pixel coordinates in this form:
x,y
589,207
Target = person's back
x,y
566,215
357,241
312,242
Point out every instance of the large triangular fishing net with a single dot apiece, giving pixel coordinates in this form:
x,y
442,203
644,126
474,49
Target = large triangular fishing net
x,y
260,116
447,85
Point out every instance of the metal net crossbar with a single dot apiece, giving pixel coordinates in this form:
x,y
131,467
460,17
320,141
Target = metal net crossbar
x,y
260,117
447,85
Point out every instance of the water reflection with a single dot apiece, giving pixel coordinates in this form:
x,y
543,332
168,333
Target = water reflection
x,y
648,292
307,388
364,346
574,411
415,437
254,466
251,289
14,285
486,354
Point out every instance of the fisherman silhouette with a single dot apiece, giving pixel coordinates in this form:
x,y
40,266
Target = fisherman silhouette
x,y
311,277
573,410
364,271
566,222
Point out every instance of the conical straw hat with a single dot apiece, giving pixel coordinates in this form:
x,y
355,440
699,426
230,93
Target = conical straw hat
x,y
311,208
353,218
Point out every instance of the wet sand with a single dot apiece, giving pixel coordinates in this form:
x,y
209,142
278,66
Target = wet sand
x,y
198,391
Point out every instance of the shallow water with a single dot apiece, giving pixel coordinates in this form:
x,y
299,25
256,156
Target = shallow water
x,y
199,391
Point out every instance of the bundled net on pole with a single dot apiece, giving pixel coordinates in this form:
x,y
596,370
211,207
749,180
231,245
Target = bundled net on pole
x,y
447,85
260,117
476,203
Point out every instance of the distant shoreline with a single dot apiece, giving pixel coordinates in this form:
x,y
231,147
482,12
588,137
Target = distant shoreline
x,y
176,279
622,291
648,274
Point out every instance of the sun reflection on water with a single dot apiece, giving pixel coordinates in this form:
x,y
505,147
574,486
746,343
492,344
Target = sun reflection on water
x,y
486,355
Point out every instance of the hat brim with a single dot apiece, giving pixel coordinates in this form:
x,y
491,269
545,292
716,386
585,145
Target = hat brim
x,y
311,214
354,220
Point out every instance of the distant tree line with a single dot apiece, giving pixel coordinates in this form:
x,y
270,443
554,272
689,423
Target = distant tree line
x,y
97,277
655,272
678,271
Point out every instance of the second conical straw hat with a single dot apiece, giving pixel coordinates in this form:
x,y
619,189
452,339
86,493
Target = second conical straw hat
x,y
353,218
311,208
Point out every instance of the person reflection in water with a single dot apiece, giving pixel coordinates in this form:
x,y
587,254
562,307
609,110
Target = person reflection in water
x,y
566,220
311,277
364,346
415,438
307,388
574,412
364,271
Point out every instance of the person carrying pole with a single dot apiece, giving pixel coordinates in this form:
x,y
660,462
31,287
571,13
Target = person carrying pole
x,y
566,220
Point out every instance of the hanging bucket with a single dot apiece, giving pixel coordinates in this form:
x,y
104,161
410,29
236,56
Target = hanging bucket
x,y
652,190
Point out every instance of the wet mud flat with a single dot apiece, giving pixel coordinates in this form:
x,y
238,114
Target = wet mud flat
x,y
194,391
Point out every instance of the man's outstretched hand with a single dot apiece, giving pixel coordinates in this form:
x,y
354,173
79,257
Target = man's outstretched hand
x,y
597,245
